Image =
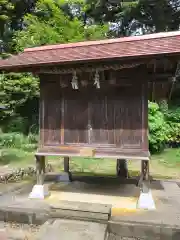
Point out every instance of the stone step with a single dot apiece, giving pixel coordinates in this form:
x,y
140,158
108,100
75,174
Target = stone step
x,y
72,229
81,211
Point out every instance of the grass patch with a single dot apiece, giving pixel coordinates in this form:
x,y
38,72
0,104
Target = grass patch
x,y
18,141
17,149
16,157
169,158
93,165
164,165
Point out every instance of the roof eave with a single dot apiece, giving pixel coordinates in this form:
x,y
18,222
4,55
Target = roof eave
x,y
34,67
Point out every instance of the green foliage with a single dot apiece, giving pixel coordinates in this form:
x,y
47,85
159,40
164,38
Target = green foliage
x,y
10,155
158,128
164,126
157,15
11,19
16,124
18,93
51,25
15,157
18,140
14,140
54,22
174,134
136,16
6,8
172,117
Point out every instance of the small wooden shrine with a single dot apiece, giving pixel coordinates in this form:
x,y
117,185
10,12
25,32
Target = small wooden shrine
x,y
94,95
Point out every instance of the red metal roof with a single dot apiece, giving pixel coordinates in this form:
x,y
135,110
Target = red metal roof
x,y
136,46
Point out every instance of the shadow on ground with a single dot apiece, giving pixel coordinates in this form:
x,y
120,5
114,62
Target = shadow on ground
x,y
101,185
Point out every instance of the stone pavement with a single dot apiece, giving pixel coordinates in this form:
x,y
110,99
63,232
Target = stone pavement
x,y
72,229
162,224
12,231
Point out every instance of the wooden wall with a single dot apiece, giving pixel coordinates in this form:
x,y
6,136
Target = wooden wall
x,y
114,116
158,91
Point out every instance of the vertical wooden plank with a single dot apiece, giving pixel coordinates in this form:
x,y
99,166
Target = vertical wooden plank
x,y
110,116
144,94
41,112
52,113
128,117
62,119
90,130
99,118
76,118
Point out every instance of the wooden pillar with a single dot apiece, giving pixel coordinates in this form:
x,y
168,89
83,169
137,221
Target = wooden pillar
x,y
40,190
121,168
67,174
145,200
145,169
40,169
144,181
66,164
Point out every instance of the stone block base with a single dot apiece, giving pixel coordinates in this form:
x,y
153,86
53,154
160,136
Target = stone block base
x,y
146,201
39,192
64,177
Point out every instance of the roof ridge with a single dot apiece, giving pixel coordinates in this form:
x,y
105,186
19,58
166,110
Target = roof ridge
x,y
104,41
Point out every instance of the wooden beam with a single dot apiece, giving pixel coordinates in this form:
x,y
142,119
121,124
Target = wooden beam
x,y
66,164
93,68
40,169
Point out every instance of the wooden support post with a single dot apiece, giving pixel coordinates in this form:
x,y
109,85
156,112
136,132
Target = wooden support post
x,y
121,168
145,200
40,191
144,181
40,169
66,175
66,164
145,170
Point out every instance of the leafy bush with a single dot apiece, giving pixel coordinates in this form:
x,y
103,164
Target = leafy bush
x,y
30,147
172,117
19,93
158,128
17,140
14,140
9,155
174,134
33,139
17,124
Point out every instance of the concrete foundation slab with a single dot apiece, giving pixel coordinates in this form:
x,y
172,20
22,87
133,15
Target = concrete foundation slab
x,y
101,203
117,195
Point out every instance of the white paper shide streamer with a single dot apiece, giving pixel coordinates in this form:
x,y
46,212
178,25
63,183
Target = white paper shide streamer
x,y
74,81
97,79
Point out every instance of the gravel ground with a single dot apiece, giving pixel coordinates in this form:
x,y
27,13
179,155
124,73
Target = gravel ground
x,y
14,231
